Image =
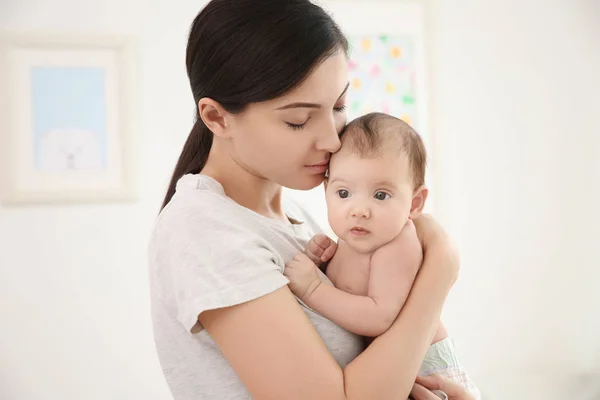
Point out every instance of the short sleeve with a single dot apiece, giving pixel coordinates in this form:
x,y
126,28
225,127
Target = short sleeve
x,y
214,261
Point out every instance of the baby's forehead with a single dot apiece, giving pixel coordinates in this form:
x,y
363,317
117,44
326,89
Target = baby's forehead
x,y
387,164
387,152
380,136
386,135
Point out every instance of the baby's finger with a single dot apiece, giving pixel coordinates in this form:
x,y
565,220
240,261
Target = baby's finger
x,y
328,253
299,257
321,240
290,266
315,248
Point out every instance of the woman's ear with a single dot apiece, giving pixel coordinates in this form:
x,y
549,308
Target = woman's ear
x,y
214,116
418,202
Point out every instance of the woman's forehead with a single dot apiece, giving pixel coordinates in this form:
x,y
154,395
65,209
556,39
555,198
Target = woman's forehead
x,y
326,84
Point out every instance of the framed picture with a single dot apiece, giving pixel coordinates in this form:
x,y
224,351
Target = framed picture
x,y
67,118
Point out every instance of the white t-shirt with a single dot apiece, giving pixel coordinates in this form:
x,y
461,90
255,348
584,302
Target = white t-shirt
x,y
209,252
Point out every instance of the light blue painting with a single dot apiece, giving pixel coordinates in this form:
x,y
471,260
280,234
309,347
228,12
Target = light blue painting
x,y
69,118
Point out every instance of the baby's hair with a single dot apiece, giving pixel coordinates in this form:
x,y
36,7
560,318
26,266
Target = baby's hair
x,y
367,135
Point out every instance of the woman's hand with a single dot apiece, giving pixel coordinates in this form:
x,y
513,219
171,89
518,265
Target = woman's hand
x,y
435,240
426,385
430,231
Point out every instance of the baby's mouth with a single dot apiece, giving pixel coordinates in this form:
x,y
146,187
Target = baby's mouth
x,y
359,231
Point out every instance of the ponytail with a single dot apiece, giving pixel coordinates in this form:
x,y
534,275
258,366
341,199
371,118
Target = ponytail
x,y
193,156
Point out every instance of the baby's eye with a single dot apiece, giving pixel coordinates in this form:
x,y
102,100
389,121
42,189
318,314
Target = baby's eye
x,y
381,195
343,193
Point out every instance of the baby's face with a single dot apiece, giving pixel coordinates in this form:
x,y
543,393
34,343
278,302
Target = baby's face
x,y
368,199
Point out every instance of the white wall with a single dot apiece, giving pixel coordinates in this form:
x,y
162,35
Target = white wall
x,y
514,94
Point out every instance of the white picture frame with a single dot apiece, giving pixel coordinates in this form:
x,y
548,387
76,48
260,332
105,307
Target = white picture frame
x,y
67,118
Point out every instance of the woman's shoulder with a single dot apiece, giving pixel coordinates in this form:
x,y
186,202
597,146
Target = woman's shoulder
x,y
200,215
202,222
197,198
201,212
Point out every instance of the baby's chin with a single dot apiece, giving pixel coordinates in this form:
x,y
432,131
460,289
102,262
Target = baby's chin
x,y
361,246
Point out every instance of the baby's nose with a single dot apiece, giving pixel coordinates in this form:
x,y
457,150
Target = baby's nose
x,y
360,212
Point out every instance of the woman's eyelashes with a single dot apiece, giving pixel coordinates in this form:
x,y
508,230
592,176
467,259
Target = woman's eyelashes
x,y
340,109
296,126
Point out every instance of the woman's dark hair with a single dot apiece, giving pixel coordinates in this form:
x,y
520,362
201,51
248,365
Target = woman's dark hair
x,y
247,51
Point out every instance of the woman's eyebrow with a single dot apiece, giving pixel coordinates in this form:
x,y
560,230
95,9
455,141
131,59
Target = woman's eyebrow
x,y
309,105
345,90
299,105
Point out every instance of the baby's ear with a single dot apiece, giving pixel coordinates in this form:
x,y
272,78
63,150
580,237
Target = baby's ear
x,y
418,202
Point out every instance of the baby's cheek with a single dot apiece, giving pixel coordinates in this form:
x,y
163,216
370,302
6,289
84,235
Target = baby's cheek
x,y
392,226
334,216
335,219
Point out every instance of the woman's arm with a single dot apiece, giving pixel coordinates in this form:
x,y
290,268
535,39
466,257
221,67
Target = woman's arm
x,y
277,353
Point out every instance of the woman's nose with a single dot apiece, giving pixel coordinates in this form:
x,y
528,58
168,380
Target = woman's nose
x,y
329,139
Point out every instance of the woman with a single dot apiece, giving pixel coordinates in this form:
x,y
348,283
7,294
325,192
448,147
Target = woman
x,y
269,80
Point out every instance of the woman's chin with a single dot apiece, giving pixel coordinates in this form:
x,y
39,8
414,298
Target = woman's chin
x,y
305,182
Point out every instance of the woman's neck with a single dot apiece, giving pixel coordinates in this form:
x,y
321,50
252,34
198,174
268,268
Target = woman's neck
x,y
244,187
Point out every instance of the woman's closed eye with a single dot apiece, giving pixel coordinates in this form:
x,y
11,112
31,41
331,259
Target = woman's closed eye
x,y
340,109
296,126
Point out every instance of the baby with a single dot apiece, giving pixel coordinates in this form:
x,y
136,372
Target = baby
x,y
375,187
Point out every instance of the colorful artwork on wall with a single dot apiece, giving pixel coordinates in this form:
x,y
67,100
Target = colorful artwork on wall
x,y
383,77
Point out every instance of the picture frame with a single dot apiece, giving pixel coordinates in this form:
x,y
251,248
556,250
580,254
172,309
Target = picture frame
x,y
67,118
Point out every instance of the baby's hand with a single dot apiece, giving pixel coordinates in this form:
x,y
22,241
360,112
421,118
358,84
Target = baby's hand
x,y
320,249
303,276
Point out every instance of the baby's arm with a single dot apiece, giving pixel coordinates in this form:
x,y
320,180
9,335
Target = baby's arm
x,y
393,269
